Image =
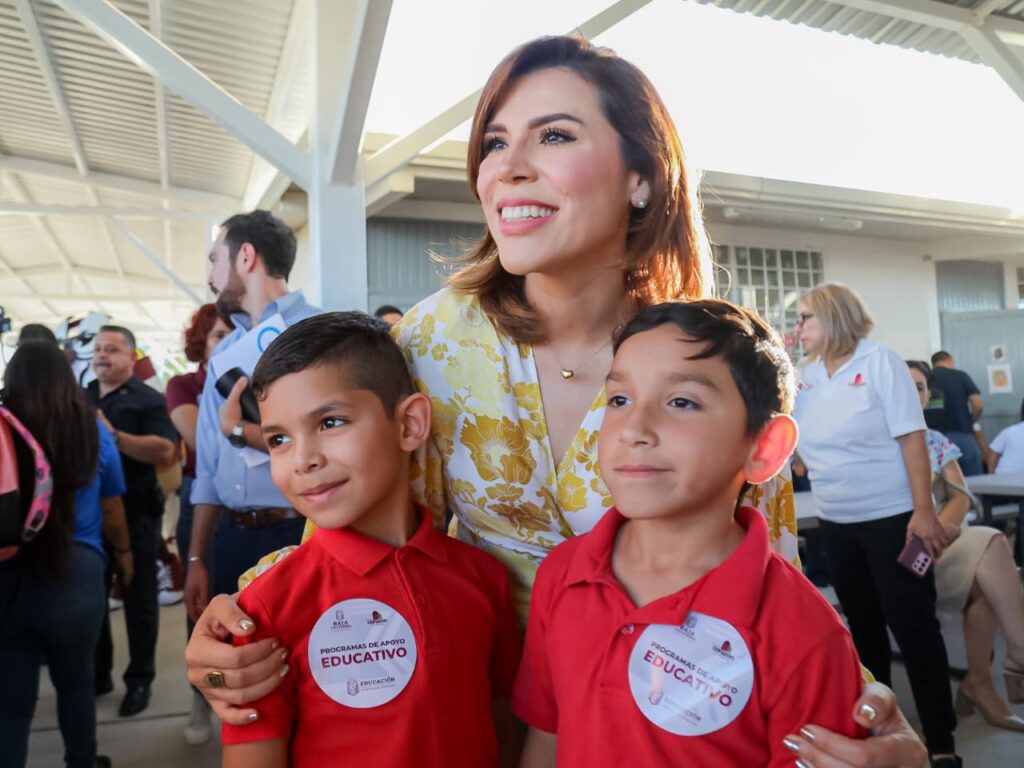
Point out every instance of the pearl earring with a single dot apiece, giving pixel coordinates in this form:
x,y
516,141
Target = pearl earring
x,y
642,203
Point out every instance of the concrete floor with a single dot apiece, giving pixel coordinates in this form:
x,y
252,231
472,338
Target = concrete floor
x,y
154,738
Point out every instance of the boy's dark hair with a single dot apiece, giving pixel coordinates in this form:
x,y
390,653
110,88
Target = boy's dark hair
x,y
922,367
271,238
940,357
128,335
753,351
354,340
386,309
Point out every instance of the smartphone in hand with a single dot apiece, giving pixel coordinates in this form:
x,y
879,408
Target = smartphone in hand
x,y
915,557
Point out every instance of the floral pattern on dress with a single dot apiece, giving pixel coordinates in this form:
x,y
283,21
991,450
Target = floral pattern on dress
x,y
489,459
941,450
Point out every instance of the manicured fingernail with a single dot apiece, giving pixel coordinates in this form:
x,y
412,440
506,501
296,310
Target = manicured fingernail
x,y
283,655
791,745
245,625
869,712
284,671
252,717
807,733
801,764
275,644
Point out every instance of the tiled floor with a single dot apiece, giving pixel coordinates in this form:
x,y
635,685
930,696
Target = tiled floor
x,y
154,739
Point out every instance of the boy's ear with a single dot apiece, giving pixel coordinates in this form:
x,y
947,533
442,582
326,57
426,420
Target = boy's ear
x,y
413,416
775,444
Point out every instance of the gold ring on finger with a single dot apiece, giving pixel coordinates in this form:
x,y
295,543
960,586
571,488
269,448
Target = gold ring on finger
x,y
215,680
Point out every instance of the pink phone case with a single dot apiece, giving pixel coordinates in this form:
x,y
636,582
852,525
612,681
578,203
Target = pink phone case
x,y
915,557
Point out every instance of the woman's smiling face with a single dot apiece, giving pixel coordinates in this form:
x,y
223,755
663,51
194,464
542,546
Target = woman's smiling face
x,y
553,184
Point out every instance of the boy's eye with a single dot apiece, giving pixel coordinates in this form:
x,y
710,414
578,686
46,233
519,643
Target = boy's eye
x,y
275,441
492,143
617,401
685,403
555,136
331,422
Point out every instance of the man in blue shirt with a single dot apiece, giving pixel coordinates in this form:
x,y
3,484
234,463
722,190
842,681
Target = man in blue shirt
x,y
249,267
962,408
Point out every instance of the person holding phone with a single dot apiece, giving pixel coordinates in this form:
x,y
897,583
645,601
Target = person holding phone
x,y
862,439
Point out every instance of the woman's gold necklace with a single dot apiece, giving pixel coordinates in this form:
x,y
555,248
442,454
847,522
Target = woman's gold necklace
x,y
568,373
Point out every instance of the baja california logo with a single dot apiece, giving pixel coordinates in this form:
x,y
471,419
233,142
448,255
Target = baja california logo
x,y
689,627
339,622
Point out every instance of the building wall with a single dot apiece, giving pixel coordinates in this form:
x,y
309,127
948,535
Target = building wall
x,y
893,277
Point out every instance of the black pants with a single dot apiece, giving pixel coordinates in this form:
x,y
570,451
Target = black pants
x,y
875,591
141,610
236,549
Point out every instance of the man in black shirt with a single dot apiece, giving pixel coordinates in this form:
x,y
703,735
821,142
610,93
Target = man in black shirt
x,y
961,410
137,417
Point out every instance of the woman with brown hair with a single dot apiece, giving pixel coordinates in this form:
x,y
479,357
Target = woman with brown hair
x,y
590,216
205,331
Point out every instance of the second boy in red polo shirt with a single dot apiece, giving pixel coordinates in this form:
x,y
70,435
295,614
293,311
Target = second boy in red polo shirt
x,y
671,634
398,638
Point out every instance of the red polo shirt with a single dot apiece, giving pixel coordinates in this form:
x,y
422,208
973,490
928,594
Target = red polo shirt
x,y
665,684
454,601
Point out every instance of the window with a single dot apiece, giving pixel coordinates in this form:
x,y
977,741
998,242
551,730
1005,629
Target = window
x,y
1020,287
771,280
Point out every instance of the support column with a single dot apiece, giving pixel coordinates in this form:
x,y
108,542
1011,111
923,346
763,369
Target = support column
x,y
346,46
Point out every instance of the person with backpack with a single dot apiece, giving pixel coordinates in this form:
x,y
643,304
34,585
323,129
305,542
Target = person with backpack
x,y
52,593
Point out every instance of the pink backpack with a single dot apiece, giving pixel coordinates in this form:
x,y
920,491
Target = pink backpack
x,y
11,495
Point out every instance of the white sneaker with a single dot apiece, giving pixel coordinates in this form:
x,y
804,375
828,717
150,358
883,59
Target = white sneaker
x,y
163,576
169,596
113,604
198,729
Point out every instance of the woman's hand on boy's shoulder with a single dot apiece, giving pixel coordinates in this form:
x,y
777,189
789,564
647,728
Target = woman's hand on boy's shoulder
x,y
247,673
892,743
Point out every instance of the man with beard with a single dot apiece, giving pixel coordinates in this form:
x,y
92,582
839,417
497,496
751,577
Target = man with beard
x,y
136,415
249,267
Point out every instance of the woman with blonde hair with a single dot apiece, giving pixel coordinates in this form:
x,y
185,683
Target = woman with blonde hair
x,y
590,215
862,437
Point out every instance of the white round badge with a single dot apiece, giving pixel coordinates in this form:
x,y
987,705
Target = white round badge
x,y
362,653
692,679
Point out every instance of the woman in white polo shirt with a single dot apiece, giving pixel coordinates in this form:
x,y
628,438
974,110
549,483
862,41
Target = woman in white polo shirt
x,y
1006,452
862,439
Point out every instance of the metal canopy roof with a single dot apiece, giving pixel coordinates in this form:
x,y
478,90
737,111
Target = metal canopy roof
x,y
128,128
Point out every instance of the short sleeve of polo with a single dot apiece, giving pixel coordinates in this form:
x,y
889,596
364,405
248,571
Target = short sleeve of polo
x,y
277,709
533,700
897,394
970,388
821,690
999,444
111,472
156,420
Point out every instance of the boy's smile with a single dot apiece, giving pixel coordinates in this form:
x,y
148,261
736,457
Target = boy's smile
x,y
674,437
334,452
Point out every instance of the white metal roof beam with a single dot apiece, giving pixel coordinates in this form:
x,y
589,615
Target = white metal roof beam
x,y
36,209
942,15
201,199
185,287
364,25
129,279
42,53
156,26
98,297
175,73
266,184
997,55
401,151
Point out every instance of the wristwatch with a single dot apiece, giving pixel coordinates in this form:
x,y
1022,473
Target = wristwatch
x,y
237,436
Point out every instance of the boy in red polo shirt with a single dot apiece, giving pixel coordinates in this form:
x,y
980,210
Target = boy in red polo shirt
x,y
671,634
397,637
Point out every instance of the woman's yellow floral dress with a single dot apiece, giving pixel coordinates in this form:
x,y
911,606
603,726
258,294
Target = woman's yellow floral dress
x,y
489,459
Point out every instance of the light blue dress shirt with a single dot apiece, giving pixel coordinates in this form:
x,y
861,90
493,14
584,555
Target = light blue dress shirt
x,y
222,476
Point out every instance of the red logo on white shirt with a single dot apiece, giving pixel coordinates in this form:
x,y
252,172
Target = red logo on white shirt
x,y
858,381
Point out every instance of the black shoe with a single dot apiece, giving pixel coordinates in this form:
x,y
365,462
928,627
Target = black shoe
x,y
136,700
946,762
102,761
104,687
